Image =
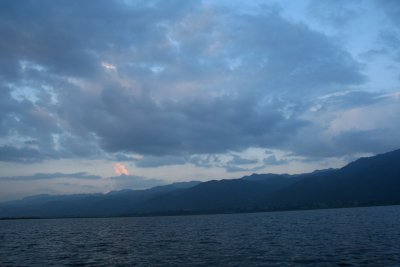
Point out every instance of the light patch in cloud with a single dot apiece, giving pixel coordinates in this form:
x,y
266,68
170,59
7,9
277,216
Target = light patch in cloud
x,y
120,169
108,66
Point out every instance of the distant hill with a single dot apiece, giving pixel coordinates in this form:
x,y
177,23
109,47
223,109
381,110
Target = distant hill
x,y
366,181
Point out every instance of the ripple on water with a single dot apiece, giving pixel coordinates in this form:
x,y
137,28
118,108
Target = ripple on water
x,y
339,237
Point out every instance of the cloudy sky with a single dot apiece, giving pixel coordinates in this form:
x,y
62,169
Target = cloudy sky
x,y
99,95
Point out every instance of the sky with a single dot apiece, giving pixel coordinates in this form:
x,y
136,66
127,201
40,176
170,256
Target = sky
x,y
102,95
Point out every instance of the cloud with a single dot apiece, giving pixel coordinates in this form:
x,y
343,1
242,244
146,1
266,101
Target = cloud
x,y
336,13
206,160
108,66
232,168
21,155
153,161
71,35
392,9
120,169
389,36
237,160
48,176
348,124
135,182
169,81
272,160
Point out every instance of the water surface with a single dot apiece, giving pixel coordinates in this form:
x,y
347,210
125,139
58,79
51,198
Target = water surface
x,y
336,237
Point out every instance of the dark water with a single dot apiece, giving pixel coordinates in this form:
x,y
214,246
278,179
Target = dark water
x,y
340,237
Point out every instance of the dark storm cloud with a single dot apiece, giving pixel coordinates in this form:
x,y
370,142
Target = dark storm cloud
x,y
181,79
48,176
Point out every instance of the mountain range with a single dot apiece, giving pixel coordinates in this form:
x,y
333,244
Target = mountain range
x,y
364,182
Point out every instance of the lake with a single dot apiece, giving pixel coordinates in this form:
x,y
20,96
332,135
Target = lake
x,y
335,237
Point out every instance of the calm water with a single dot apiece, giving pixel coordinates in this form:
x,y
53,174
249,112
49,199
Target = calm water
x,y
340,237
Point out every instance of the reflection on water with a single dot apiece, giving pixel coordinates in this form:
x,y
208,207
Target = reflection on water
x,y
339,237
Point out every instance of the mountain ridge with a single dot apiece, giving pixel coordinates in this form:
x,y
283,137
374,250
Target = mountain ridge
x,y
366,181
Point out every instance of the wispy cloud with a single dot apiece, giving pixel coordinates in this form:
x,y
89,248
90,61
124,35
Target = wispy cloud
x,y
48,176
